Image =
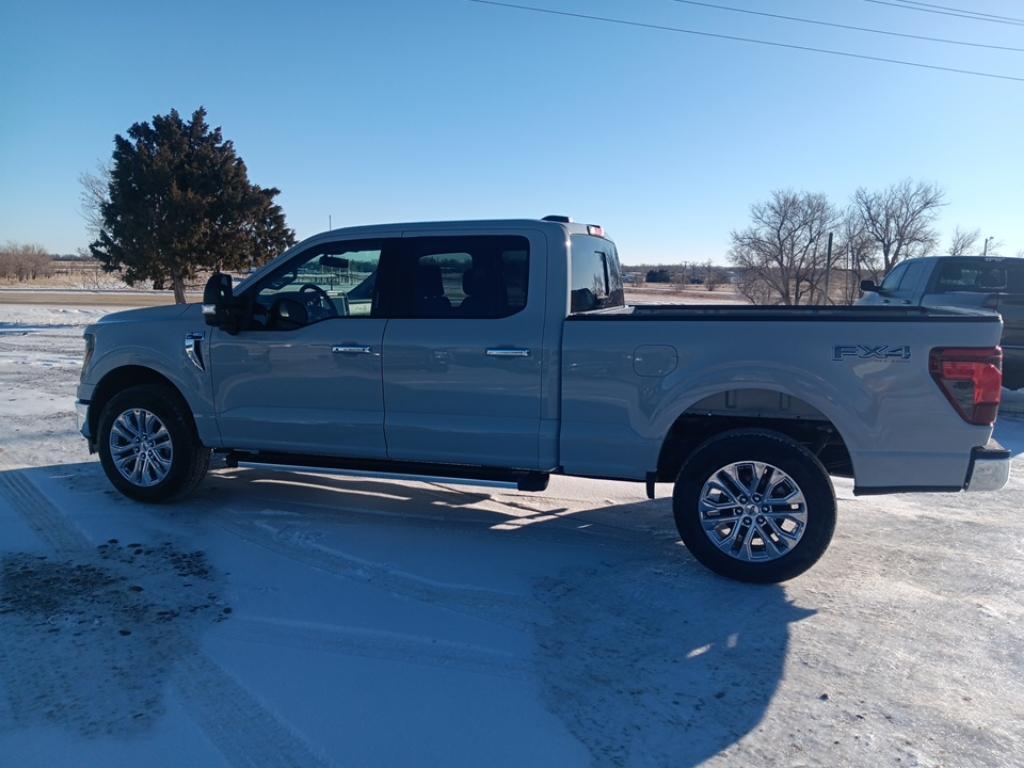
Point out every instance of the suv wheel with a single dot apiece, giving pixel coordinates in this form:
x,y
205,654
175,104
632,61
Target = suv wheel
x,y
148,445
755,506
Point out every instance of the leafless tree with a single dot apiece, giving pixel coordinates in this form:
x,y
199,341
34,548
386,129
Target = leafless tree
x,y
23,262
855,253
963,243
900,218
784,248
94,193
713,276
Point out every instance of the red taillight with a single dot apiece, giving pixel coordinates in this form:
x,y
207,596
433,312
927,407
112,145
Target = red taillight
x,y
971,379
595,230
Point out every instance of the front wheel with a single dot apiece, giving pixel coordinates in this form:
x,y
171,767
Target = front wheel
x,y
148,446
755,506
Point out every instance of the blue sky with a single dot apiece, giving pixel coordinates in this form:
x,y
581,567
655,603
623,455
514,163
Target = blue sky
x,y
389,110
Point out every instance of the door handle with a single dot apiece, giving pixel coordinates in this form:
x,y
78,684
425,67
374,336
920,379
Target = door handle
x,y
504,352
351,349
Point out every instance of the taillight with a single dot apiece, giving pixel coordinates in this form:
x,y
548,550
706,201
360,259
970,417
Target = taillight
x,y
971,379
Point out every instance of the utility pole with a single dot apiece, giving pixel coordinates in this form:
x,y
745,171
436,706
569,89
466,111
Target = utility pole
x,y
828,269
987,239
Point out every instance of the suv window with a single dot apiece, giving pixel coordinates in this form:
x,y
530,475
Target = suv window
x,y
472,277
596,277
329,280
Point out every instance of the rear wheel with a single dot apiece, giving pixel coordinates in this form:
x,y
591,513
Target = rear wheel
x,y
148,446
755,506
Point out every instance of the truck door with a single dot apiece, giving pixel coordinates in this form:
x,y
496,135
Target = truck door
x,y
463,353
304,374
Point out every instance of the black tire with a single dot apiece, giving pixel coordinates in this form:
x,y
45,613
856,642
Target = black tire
x,y
190,459
736,447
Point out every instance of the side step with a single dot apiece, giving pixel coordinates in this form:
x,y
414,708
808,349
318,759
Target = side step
x,y
458,474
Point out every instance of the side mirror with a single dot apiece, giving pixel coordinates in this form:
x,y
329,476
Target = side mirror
x,y
868,286
218,300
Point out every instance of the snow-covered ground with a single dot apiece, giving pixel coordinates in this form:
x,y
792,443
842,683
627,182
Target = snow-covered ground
x,y
308,620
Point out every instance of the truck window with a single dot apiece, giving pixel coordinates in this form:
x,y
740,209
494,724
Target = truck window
x,y
327,281
892,280
974,275
596,278
914,277
472,277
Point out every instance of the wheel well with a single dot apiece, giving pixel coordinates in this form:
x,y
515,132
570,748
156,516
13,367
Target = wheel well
x,y
757,409
121,379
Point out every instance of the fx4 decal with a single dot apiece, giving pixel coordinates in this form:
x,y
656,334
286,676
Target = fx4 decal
x,y
870,352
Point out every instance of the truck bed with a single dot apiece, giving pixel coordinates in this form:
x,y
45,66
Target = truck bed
x,y
752,313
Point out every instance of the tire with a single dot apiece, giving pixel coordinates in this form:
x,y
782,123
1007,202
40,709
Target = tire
x,y
173,472
793,534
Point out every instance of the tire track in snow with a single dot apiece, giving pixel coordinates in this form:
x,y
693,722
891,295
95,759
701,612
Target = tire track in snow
x,y
45,520
379,644
497,607
236,723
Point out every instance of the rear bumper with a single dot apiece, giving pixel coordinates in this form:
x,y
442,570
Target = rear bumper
x,y
989,469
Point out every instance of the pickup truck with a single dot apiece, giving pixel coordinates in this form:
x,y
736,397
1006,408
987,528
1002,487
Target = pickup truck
x,y
994,283
503,351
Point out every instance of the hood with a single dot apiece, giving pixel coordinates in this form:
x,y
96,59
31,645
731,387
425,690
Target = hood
x,y
150,314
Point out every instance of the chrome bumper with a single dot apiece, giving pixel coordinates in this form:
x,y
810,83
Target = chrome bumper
x,y
990,468
82,418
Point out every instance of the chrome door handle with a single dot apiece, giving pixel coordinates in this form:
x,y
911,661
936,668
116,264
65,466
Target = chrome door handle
x,y
346,349
500,352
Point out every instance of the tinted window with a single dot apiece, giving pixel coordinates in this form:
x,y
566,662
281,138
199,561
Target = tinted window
x,y
327,281
596,277
915,276
975,275
892,280
464,277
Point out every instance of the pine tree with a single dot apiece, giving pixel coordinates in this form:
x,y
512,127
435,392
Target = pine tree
x,y
179,201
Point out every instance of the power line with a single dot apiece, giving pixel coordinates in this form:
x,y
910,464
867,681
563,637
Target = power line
x,y
700,33
847,26
961,10
958,13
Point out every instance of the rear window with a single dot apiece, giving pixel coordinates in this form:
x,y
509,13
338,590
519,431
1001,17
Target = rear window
x,y
971,276
596,278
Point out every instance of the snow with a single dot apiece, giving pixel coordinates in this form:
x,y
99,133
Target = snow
x,y
305,619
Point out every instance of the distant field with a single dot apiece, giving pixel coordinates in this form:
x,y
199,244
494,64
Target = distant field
x,y
45,292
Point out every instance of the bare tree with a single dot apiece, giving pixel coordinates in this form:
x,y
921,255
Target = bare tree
x,y
784,248
713,276
94,194
23,262
900,218
855,252
963,243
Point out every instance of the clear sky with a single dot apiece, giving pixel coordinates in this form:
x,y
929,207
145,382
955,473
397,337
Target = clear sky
x,y
390,110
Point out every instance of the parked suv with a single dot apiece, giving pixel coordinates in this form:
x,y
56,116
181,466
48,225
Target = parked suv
x,y
973,282
504,351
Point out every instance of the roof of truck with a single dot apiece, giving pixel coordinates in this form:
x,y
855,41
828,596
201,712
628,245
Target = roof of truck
x,y
571,226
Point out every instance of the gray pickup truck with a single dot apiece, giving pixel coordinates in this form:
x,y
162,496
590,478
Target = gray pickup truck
x,y
504,351
993,283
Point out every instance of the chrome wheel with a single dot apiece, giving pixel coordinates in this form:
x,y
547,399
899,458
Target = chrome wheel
x,y
141,447
753,511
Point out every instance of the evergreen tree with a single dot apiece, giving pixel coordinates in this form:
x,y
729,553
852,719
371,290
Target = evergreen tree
x,y
179,201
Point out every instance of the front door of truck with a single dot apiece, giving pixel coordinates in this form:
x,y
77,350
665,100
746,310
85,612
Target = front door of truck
x,y
304,374
463,353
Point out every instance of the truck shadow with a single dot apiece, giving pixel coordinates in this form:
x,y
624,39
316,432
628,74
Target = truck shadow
x,y
644,656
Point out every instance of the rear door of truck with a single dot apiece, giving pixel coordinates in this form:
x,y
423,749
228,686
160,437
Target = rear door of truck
x,y
463,349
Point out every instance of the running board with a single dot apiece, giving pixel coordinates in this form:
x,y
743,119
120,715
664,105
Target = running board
x,y
456,474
